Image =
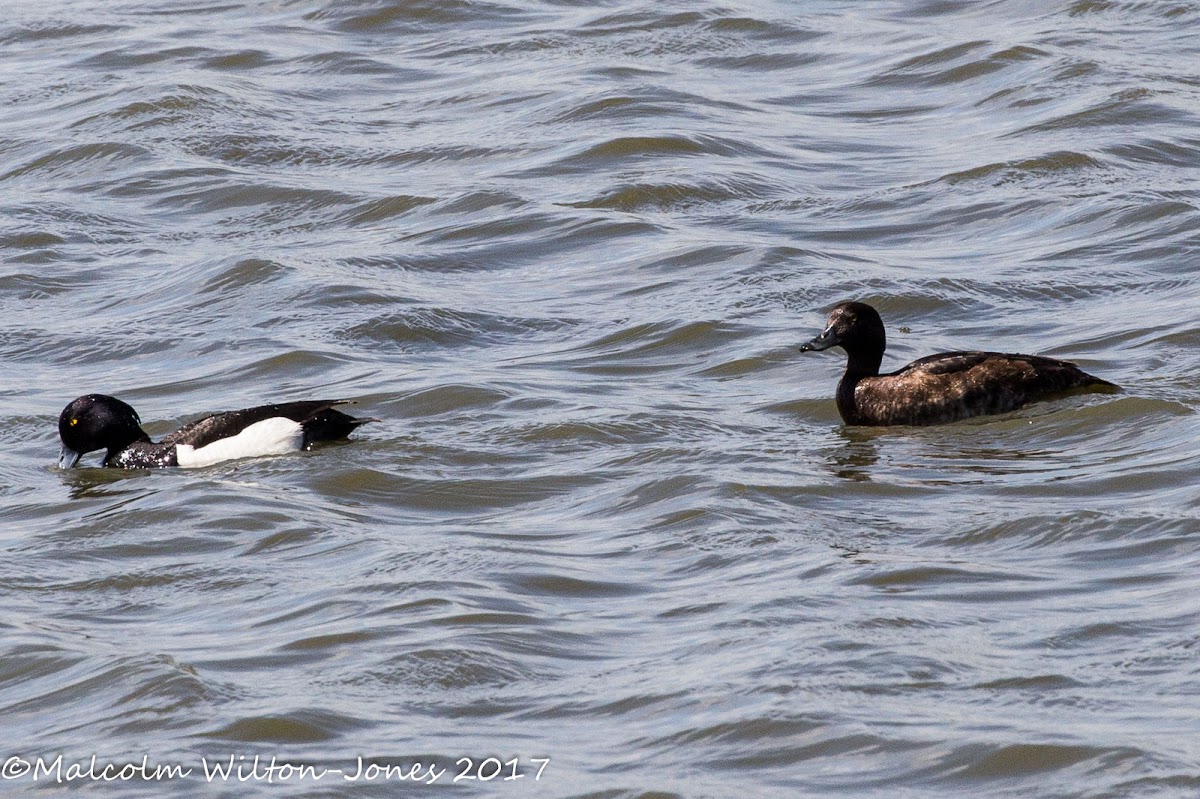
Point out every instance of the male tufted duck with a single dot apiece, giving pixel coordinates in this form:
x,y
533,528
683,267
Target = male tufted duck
x,y
938,388
97,421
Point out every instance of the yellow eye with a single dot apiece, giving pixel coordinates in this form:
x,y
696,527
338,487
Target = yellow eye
x,y
74,422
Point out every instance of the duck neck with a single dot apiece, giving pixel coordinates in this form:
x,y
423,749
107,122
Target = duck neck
x,y
862,364
132,436
859,365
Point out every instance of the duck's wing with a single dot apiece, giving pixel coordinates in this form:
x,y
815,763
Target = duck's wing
x,y
318,418
956,385
1034,372
945,363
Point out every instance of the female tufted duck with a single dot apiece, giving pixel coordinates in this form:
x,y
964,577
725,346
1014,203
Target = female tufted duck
x,y
938,388
97,421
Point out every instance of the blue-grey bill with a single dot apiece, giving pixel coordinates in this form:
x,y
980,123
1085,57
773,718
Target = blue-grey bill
x,y
68,458
824,341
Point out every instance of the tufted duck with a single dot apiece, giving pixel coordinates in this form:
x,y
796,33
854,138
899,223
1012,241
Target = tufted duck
x,y
97,421
938,388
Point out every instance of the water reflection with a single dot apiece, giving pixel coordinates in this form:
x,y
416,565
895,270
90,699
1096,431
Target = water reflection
x,y
856,456
91,483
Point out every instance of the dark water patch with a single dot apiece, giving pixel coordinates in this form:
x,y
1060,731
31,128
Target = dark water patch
x,y
25,665
1050,165
649,100
624,150
559,648
143,685
1030,759
298,727
482,200
656,493
464,496
738,367
1126,9
177,686
1183,154
1038,686
166,183
321,298
80,162
582,434
92,349
239,61
434,327
764,742
440,262
278,204
123,58
641,21
28,287
257,149
994,62
623,107
156,544
621,707
374,212
304,367
350,63
450,669
567,587
1147,536
686,611
53,30
1130,107
452,398
760,62
632,793
416,489
529,42
649,347
955,580
676,196
328,644
387,16
29,240
245,273
304,618
1087,636
563,239
128,584
491,233
489,619
917,70
781,31
1044,287
137,119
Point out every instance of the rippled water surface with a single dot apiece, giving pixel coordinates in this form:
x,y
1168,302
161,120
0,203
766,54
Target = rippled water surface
x,y
565,253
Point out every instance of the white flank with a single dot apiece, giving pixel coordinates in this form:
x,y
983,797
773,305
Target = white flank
x,y
274,436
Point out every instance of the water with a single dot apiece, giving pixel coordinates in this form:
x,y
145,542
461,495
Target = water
x,y
610,517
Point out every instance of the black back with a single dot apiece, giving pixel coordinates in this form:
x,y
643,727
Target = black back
x,y
318,418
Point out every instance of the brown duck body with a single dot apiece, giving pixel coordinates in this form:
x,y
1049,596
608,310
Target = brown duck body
x,y
938,388
957,385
